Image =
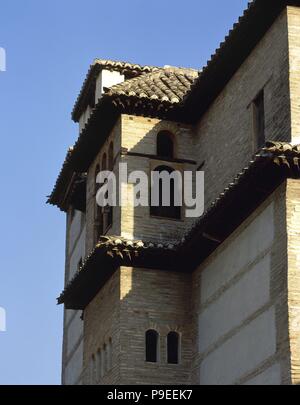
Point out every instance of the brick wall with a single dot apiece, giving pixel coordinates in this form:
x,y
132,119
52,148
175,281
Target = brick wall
x,y
114,137
151,299
294,62
133,301
139,136
224,135
102,323
136,299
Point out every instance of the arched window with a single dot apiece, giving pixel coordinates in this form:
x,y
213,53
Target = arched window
x,y
111,157
107,211
93,370
173,348
102,364
110,167
98,210
109,354
99,370
104,162
165,145
152,346
96,185
172,210
104,359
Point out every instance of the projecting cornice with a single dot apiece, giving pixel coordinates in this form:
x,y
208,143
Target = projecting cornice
x,y
129,70
268,169
152,94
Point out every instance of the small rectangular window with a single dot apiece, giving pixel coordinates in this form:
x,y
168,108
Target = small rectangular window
x,y
258,106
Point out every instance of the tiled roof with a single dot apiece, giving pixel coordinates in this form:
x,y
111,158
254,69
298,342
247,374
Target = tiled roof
x,y
111,252
168,84
65,172
124,67
229,56
130,70
161,89
280,156
154,93
117,246
269,167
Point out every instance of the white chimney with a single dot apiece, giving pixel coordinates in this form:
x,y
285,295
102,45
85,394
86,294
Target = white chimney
x,y
107,78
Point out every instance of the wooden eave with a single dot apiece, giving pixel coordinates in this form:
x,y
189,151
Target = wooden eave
x,y
95,133
250,188
87,91
104,261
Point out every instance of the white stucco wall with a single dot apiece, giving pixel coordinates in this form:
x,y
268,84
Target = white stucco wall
x,y
252,241
73,369
236,319
77,254
251,292
74,230
74,332
243,352
272,376
73,325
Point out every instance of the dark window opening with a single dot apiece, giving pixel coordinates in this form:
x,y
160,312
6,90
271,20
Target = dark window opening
x,y
259,120
109,217
172,211
109,210
98,209
173,348
104,163
151,346
165,145
111,157
97,185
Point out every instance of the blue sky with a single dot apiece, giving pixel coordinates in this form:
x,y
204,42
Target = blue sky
x,y
49,46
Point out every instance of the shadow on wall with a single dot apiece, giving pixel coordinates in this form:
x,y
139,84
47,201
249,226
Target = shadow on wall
x,y
159,302
138,223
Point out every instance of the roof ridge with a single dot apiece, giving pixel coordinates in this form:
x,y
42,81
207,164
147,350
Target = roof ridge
x,y
240,39
133,69
119,250
99,64
128,86
277,150
123,64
